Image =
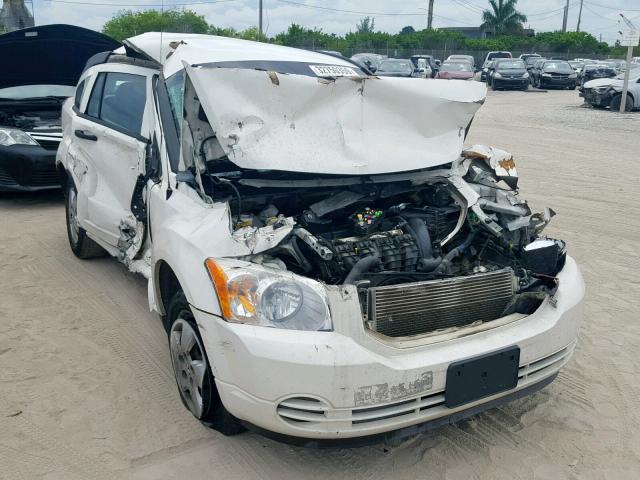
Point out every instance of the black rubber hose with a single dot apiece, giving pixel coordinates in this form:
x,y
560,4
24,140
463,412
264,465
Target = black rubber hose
x,y
361,267
304,263
449,257
429,264
418,229
420,232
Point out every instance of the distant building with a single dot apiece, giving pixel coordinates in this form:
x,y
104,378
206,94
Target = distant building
x,y
15,16
469,32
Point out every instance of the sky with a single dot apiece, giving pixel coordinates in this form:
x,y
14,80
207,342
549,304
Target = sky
x,y
599,17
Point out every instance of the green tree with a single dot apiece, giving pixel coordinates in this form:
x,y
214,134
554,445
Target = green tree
x,y
252,33
366,25
128,23
503,17
223,32
407,30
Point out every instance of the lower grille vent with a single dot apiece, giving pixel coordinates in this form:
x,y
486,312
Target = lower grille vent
x,y
423,307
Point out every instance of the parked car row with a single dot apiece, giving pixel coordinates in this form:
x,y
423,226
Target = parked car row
x,y
455,67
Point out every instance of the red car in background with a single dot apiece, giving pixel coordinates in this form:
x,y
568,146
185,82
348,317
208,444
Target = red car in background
x,y
460,70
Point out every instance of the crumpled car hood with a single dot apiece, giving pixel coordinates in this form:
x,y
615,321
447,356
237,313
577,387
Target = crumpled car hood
x,y
602,82
49,54
346,125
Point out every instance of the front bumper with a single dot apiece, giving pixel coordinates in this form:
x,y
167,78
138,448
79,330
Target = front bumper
x,y
598,99
27,168
511,82
348,384
558,82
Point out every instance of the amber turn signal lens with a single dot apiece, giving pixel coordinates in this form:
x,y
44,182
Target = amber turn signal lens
x,y
219,279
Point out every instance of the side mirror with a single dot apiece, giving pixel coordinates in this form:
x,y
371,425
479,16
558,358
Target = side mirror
x,y
372,69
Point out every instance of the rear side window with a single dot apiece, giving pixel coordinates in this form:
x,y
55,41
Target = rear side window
x,y
118,100
93,107
79,92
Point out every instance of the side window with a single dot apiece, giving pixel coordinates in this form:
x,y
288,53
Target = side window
x,y
93,107
79,92
118,99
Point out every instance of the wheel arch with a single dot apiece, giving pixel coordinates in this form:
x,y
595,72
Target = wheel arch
x,y
63,176
166,284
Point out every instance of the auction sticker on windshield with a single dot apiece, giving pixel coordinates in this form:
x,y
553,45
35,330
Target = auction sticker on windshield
x,y
333,71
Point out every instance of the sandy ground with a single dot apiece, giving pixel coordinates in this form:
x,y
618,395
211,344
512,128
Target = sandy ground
x,y
86,389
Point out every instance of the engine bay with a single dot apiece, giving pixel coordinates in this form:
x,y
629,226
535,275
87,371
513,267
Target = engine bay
x,y
31,117
377,233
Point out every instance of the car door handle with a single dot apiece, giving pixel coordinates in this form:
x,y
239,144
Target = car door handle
x,y
86,135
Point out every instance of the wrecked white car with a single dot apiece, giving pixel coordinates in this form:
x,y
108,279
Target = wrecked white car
x,y
328,259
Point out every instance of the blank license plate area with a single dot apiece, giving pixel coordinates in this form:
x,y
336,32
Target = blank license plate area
x,y
479,377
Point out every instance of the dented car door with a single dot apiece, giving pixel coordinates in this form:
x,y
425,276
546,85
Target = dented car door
x,y
109,148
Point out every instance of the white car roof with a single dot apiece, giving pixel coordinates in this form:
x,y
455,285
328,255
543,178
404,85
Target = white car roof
x,y
199,49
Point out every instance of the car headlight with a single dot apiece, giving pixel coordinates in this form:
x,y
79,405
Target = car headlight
x,y
497,75
13,136
270,299
573,75
526,75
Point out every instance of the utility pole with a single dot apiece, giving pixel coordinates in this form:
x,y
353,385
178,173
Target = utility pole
x,y
260,18
430,16
566,16
579,16
630,39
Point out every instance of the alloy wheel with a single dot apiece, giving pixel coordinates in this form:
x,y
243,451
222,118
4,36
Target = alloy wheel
x,y
189,364
72,215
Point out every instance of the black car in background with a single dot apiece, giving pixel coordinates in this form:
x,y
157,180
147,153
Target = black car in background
x,y
396,67
42,67
598,70
555,74
508,74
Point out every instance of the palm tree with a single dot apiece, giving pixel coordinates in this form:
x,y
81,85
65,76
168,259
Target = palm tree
x,y
503,17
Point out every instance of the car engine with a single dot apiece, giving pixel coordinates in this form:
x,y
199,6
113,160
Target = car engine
x,y
385,234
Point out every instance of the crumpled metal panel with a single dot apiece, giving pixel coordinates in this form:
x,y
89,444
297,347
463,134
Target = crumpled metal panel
x,y
350,125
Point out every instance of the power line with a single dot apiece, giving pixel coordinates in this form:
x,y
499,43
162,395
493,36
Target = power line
x,y
594,4
357,12
380,14
111,4
469,6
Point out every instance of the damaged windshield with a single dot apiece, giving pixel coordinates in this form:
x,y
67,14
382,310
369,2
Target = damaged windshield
x,y
175,89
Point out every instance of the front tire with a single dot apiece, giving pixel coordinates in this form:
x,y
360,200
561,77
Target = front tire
x,y
617,100
81,245
192,371
493,85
